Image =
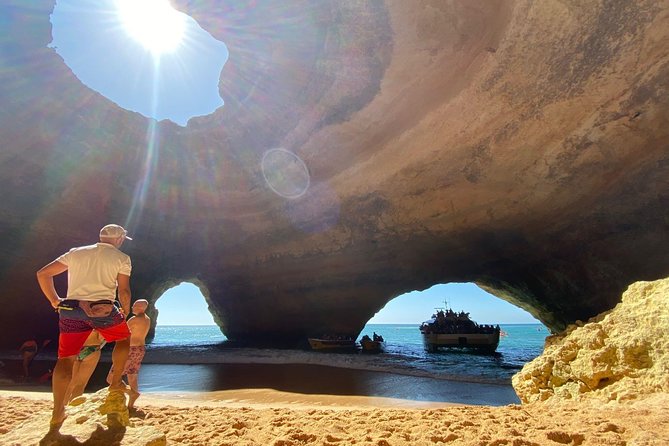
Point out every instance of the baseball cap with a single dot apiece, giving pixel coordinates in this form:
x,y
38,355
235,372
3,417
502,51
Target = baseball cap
x,y
113,231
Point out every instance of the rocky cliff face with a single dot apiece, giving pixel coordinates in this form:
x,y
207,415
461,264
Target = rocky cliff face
x,y
365,149
621,355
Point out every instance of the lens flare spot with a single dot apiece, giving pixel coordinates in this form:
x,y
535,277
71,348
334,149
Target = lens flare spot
x,y
285,173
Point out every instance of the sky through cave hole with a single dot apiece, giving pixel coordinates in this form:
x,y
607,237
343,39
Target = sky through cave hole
x,y
104,50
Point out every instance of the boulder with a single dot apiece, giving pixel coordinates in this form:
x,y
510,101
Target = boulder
x,y
620,355
100,418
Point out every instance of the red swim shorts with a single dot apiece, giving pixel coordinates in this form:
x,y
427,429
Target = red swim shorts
x,y
75,326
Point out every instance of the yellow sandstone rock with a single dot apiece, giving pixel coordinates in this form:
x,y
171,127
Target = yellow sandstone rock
x,y
114,406
619,355
97,419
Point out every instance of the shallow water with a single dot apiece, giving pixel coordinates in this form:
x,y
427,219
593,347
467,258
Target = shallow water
x,y
404,353
199,358
318,380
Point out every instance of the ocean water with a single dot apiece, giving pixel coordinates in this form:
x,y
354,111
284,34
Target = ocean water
x,y
200,359
404,353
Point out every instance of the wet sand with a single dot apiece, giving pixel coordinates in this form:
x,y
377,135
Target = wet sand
x,y
319,380
302,379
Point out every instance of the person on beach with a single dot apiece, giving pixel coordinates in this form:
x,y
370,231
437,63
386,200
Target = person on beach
x,y
29,350
95,274
85,364
139,327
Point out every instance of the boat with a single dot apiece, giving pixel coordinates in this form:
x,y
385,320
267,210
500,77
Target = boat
x,y
332,343
372,345
450,329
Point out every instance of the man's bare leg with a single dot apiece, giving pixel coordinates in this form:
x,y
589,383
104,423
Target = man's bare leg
x,y
81,374
62,375
69,393
134,390
119,356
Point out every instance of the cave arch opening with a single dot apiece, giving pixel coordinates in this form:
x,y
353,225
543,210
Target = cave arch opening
x,y
183,318
399,321
123,54
418,306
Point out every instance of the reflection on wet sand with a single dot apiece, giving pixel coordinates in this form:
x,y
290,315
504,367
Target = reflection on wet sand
x,y
313,380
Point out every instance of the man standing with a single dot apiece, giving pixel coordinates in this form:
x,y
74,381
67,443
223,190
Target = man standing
x,y
139,326
95,272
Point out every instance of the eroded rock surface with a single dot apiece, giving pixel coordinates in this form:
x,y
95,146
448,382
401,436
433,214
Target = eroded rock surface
x,y
621,355
520,145
100,418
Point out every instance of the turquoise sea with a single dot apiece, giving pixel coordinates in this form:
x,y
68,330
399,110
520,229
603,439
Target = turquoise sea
x,y
200,359
404,353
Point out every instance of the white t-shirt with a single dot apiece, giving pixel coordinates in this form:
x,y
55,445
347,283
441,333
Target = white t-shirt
x,y
92,271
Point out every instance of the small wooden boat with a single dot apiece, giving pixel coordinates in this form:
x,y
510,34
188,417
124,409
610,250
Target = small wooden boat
x,y
372,345
332,343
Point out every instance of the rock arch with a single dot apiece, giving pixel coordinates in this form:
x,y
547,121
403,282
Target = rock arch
x,y
156,291
515,144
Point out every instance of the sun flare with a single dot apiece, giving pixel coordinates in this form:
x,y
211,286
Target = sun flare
x,y
153,23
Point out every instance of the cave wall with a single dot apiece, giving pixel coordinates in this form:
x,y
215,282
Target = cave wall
x,y
519,145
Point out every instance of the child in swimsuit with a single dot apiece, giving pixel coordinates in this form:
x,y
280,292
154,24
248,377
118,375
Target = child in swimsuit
x,y
139,325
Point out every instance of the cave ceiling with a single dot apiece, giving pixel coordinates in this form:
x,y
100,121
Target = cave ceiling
x,y
365,149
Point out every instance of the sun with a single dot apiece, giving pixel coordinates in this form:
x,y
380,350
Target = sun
x,y
153,23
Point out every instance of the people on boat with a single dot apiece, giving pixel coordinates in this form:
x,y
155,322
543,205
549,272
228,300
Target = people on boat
x,y
335,337
451,322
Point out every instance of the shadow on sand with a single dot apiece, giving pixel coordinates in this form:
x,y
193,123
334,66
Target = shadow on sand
x,y
99,437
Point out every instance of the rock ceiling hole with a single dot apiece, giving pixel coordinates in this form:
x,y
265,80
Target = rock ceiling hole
x,y
132,55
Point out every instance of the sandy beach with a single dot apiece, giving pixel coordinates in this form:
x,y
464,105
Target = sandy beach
x,y
270,417
298,404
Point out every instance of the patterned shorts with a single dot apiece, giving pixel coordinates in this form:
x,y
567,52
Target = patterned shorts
x,y
134,361
75,326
